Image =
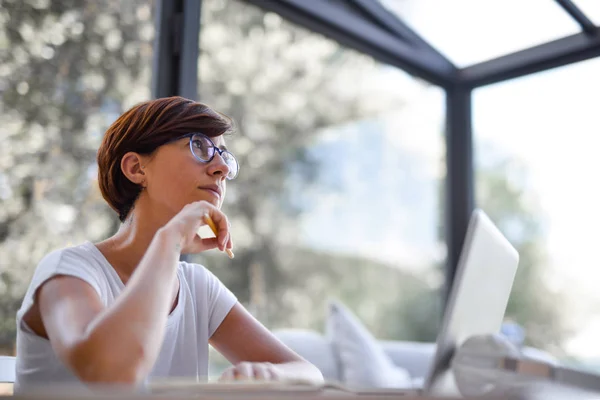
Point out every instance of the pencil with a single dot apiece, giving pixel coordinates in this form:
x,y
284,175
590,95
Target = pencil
x,y
213,228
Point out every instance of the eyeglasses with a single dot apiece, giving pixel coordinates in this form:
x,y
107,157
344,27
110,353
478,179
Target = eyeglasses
x,y
204,150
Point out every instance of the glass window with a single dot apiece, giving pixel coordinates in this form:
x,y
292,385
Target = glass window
x,y
537,174
67,70
339,193
472,31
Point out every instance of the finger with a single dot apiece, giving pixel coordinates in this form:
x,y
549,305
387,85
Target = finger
x,y
228,375
223,245
275,372
230,242
208,220
196,211
227,241
199,208
262,372
223,235
244,371
221,224
209,243
199,245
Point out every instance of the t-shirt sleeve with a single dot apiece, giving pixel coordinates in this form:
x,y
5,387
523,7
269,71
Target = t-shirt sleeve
x,y
220,301
60,262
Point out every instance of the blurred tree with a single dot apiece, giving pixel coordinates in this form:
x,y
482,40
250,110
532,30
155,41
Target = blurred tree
x,y
502,191
284,85
67,69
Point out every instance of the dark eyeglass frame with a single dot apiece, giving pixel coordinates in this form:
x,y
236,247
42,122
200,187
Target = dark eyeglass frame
x,y
215,148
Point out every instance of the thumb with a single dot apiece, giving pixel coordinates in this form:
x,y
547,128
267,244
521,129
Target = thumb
x,y
198,245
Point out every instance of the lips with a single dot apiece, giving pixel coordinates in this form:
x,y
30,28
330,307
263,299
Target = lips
x,y
212,188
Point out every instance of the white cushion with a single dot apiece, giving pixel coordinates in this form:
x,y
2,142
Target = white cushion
x,y
415,357
364,364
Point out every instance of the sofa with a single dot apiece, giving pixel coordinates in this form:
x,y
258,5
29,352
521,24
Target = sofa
x,y
347,352
413,357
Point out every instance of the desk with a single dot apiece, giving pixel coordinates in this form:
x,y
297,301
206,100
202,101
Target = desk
x,y
535,392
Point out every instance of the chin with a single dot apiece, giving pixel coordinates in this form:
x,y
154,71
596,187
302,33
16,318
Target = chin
x,y
209,196
210,199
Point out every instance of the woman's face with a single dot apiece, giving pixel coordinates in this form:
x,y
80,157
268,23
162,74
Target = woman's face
x,y
176,178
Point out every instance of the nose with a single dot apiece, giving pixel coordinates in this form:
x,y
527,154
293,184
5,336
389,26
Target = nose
x,y
218,166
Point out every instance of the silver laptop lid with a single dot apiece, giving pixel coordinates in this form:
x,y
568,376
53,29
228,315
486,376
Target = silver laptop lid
x,y
478,299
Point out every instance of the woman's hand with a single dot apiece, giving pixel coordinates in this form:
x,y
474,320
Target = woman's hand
x,y
184,226
254,371
257,354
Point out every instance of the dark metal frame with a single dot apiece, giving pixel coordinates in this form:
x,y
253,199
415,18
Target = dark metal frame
x,y
351,24
368,27
176,48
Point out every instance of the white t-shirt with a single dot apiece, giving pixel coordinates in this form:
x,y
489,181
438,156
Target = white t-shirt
x,y
202,305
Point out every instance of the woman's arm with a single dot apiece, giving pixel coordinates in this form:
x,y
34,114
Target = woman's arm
x,y
256,353
121,343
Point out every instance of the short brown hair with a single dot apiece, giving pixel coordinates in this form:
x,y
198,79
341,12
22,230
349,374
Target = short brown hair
x,y
142,129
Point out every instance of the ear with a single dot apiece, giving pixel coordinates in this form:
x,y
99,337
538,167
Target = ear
x,y
133,168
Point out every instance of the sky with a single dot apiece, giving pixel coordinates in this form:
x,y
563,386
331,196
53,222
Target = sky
x,y
549,120
387,209
551,123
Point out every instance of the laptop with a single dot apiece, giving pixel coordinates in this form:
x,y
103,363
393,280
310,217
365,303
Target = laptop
x,y
476,305
478,299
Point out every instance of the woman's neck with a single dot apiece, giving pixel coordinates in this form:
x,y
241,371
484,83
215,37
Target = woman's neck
x,y
125,249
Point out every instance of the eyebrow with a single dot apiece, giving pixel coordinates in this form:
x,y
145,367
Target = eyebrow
x,y
221,147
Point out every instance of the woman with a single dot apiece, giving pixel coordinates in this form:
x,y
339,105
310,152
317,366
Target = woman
x,y
126,309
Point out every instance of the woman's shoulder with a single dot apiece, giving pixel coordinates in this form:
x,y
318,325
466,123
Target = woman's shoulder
x,y
78,261
83,261
81,254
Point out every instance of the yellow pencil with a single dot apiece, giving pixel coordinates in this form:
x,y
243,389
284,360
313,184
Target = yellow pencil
x,y
213,228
